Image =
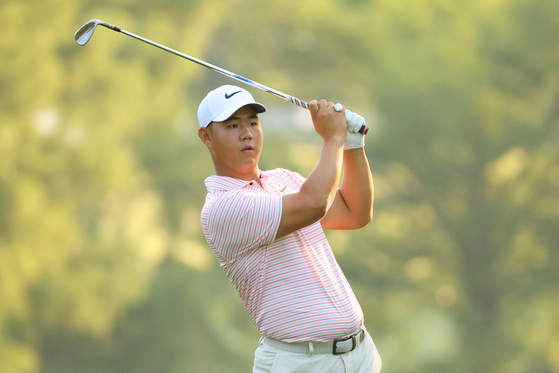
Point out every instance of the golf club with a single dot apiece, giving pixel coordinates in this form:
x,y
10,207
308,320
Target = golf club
x,y
85,33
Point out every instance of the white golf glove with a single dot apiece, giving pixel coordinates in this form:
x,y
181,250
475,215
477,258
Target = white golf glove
x,y
354,121
353,139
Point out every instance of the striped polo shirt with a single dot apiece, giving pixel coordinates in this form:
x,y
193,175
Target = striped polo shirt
x,y
292,287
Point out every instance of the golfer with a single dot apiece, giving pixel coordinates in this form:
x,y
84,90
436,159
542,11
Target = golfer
x,y
266,229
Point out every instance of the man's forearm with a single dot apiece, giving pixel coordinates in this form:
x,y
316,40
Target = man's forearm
x,y
357,187
321,184
311,202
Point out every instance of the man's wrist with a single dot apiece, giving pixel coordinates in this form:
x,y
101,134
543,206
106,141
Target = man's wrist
x,y
335,141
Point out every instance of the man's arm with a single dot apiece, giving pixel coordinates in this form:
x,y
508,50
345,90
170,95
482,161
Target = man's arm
x,y
353,205
311,202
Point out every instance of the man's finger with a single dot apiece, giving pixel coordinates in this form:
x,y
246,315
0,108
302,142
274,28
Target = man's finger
x,y
354,121
313,108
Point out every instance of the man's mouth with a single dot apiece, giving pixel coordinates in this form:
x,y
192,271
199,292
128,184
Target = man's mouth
x,y
247,148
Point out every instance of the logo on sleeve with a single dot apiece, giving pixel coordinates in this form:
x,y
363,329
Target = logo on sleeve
x,y
231,95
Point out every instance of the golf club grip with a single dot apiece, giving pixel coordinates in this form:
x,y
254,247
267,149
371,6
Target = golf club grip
x,y
364,129
294,100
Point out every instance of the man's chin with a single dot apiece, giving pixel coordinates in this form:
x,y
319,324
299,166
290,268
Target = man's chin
x,y
245,168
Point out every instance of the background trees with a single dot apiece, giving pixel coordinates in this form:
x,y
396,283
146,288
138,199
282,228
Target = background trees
x,y
103,265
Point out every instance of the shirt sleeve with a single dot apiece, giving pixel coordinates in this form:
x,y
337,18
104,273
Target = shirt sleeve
x,y
239,222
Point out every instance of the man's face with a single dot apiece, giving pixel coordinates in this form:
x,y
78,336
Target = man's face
x,y
236,143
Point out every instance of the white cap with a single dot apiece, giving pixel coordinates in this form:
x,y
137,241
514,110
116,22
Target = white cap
x,y
222,102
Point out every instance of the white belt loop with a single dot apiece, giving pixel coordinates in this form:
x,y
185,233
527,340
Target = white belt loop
x,y
311,349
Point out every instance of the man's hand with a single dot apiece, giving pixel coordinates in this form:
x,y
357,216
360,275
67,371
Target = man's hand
x,y
354,139
328,123
354,122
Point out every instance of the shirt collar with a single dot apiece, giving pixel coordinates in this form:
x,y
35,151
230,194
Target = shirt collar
x,y
225,183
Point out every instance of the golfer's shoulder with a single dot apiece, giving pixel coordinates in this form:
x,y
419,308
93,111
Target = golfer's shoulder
x,y
222,198
229,201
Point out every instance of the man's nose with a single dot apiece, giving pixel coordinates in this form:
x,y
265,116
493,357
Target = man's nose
x,y
246,133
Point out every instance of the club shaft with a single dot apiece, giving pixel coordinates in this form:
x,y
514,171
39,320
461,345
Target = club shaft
x,y
252,83
84,33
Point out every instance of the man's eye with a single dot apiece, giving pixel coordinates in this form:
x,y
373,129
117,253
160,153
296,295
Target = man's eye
x,y
234,126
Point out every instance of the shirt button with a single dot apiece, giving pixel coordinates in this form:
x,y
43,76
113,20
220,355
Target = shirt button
x,y
251,183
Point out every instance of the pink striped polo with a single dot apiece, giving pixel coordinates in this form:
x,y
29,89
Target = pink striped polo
x,y
292,288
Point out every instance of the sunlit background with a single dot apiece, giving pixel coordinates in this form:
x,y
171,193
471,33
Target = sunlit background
x,y
103,264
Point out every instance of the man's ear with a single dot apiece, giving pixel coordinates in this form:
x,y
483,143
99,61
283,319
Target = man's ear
x,y
205,136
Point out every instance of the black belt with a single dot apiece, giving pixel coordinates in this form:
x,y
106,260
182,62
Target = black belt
x,y
336,347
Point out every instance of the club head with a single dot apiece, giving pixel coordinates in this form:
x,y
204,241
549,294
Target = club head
x,y
85,32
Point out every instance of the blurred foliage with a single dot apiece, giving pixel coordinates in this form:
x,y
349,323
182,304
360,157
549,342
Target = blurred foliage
x,y
103,265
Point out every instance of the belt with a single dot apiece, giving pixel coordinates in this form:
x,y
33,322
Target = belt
x,y
336,347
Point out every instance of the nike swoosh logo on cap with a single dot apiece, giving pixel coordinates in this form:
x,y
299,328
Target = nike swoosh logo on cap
x,y
231,95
